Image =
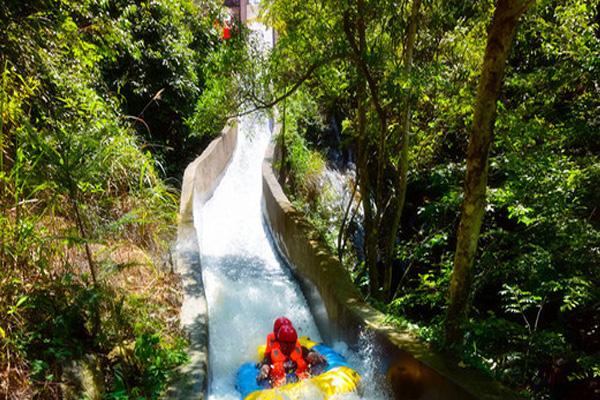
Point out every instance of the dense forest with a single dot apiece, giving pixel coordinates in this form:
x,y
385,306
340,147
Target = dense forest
x,y
97,102
467,136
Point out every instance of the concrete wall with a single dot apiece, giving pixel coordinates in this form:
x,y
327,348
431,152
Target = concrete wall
x,y
414,370
200,179
202,175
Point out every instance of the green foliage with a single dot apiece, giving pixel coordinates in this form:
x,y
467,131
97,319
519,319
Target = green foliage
x,y
536,253
224,69
75,177
156,56
302,166
151,55
534,306
145,372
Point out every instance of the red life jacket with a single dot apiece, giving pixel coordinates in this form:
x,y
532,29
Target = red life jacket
x,y
278,359
270,342
226,33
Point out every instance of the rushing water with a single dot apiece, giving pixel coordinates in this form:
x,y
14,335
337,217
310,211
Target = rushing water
x,y
247,286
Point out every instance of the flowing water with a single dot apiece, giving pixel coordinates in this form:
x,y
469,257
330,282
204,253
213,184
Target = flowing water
x,y
247,286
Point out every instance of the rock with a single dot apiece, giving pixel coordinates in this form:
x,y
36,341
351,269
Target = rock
x,y
124,352
83,379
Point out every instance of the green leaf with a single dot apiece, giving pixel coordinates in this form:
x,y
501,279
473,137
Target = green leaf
x,y
21,300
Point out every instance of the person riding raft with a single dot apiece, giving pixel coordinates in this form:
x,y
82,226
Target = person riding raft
x,y
284,355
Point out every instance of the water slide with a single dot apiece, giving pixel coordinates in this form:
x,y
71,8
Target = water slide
x,y
247,284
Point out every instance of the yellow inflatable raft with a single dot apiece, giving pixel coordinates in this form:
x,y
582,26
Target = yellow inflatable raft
x,y
337,378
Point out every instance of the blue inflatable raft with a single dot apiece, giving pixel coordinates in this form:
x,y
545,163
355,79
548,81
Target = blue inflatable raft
x,y
335,378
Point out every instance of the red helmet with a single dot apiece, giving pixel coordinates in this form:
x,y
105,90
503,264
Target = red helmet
x,y
287,333
279,322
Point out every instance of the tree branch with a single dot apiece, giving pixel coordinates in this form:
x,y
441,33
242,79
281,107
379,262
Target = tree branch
x,y
307,75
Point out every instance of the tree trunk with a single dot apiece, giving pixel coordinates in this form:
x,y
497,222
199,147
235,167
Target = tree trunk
x,y
344,219
4,84
80,225
365,194
345,236
500,35
83,234
411,35
8,188
369,222
283,168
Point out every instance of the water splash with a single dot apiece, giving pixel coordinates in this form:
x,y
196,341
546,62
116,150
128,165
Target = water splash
x,y
369,362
